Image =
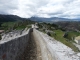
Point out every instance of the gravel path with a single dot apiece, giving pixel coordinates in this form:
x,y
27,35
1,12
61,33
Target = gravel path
x,y
36,49
32,51
45,53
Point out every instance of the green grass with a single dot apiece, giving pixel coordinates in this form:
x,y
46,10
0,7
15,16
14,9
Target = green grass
x,y
59,37
8,24
20,27
67,41
72,34
42,30
29,26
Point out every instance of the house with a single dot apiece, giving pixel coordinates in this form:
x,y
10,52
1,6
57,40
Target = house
x,y
77,39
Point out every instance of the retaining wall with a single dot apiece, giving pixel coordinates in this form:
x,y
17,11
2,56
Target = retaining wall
x,y
13,48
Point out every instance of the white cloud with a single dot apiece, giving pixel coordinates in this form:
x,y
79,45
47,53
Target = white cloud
x,y
41,8
7,6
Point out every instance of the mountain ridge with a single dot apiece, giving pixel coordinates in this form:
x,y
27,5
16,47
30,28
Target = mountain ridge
x,y
7,18
52,19
11,18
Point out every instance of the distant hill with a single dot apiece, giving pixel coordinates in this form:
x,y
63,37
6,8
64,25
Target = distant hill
x,y
7,18
52,19
65,23
69,25
10,18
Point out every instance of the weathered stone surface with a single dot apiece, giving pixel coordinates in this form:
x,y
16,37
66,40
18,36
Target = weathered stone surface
x,y
11,49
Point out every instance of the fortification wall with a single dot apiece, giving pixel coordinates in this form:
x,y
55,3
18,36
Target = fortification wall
x,y
11,49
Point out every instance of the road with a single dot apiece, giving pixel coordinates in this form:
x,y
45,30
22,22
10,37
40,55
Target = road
x,y
36,49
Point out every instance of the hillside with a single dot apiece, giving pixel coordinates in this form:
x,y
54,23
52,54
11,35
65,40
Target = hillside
x,y
65,23
8,22
52,19
69,25
10,18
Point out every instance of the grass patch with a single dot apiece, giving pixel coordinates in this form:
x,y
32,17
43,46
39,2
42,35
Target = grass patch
x,y
42,30
59,37
8,24
5,26
20,27
72,34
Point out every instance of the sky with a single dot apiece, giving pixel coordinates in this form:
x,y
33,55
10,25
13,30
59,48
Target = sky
x,y
41,8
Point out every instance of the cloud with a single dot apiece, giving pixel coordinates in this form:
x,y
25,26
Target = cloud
x,y
7,6
41,8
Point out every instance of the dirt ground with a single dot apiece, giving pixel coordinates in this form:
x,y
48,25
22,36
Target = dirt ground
x,y
32,51
36,49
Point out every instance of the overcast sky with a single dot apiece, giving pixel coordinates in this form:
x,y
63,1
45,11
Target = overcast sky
x,y
41,8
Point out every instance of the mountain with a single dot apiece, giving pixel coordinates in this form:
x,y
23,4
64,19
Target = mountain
x,y
10,18
69,25
52,19
7,18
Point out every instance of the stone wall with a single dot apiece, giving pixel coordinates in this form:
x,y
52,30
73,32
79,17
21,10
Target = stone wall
x,y
13,48
79,42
